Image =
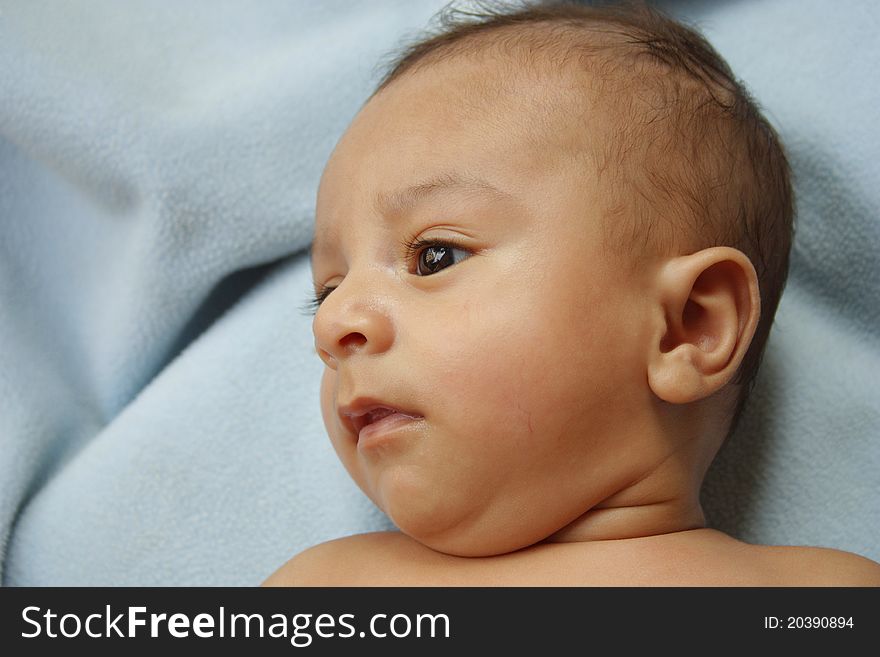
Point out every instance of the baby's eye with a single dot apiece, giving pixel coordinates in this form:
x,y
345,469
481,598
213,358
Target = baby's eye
x,y
431,257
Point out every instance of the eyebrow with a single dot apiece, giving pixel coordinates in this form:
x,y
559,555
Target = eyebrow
x,y
390,204
405,199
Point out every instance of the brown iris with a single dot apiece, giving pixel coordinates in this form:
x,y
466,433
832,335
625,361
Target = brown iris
x,y
434,258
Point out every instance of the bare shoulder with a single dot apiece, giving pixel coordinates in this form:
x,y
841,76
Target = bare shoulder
x,y
816,566
375,558
731,562
706,557
694,558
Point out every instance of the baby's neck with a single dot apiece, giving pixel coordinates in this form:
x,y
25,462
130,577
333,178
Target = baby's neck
x,y
631,521
662,501
663,498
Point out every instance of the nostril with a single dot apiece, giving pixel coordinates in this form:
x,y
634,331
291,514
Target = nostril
x,y
326,357
353,341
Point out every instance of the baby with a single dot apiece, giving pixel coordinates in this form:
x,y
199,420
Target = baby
x,y
548,252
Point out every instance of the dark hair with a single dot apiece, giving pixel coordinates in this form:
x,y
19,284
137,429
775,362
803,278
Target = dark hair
x,y
696,164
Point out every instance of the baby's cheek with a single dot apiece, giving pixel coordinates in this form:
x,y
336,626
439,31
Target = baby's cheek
x,y
328,387
331,420
492,374
343,444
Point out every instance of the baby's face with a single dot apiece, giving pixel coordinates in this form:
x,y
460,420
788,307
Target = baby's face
x,y
471,295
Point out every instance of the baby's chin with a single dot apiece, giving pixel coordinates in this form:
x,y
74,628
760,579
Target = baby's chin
x,y
459,534
454,517
470,544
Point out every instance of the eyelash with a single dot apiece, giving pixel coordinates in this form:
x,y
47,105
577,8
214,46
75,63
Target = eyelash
x,y
412,247
314,302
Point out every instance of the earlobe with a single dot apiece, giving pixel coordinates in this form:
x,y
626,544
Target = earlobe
x,y
708,306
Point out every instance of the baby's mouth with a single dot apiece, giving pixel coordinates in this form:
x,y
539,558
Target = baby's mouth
x,y
376,415
357,415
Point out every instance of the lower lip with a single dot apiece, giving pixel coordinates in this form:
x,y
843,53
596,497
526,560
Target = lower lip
x,y
378,432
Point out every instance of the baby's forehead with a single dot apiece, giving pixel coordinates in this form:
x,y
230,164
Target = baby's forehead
x,y
454,130
459,122
551,65
550,109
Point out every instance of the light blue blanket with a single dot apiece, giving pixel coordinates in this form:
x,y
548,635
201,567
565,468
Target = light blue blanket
x,y
159,419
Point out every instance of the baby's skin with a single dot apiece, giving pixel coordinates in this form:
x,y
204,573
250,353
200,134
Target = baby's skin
x,y
526,408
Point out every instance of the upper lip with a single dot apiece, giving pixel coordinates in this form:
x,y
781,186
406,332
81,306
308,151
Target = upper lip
x,y
355,415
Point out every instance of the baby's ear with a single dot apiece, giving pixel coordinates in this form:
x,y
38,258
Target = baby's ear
x,y
708,309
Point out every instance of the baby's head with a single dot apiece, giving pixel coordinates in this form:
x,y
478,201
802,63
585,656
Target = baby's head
x,y
552,242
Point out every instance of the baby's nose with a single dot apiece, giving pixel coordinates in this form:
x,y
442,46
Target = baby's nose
x,y
347,324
